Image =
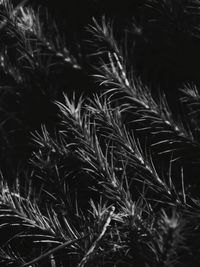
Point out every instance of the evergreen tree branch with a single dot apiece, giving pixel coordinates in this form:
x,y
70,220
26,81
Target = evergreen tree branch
x,y
191,100
141,111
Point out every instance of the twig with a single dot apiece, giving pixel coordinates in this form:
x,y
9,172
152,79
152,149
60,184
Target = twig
x,y
53,251
96,242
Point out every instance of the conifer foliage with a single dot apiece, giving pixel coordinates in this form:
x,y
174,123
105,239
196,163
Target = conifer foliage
x,y
99,137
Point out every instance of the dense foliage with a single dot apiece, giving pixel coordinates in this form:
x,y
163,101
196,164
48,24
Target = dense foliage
x,y
99,134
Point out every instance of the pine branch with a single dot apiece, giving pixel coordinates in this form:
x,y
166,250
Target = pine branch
x,y
171,238
191,100
104,189
58,248
23,218
94,246
104,37
25,25
79,136
176,16
26,215
127,153
141,111
9,258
